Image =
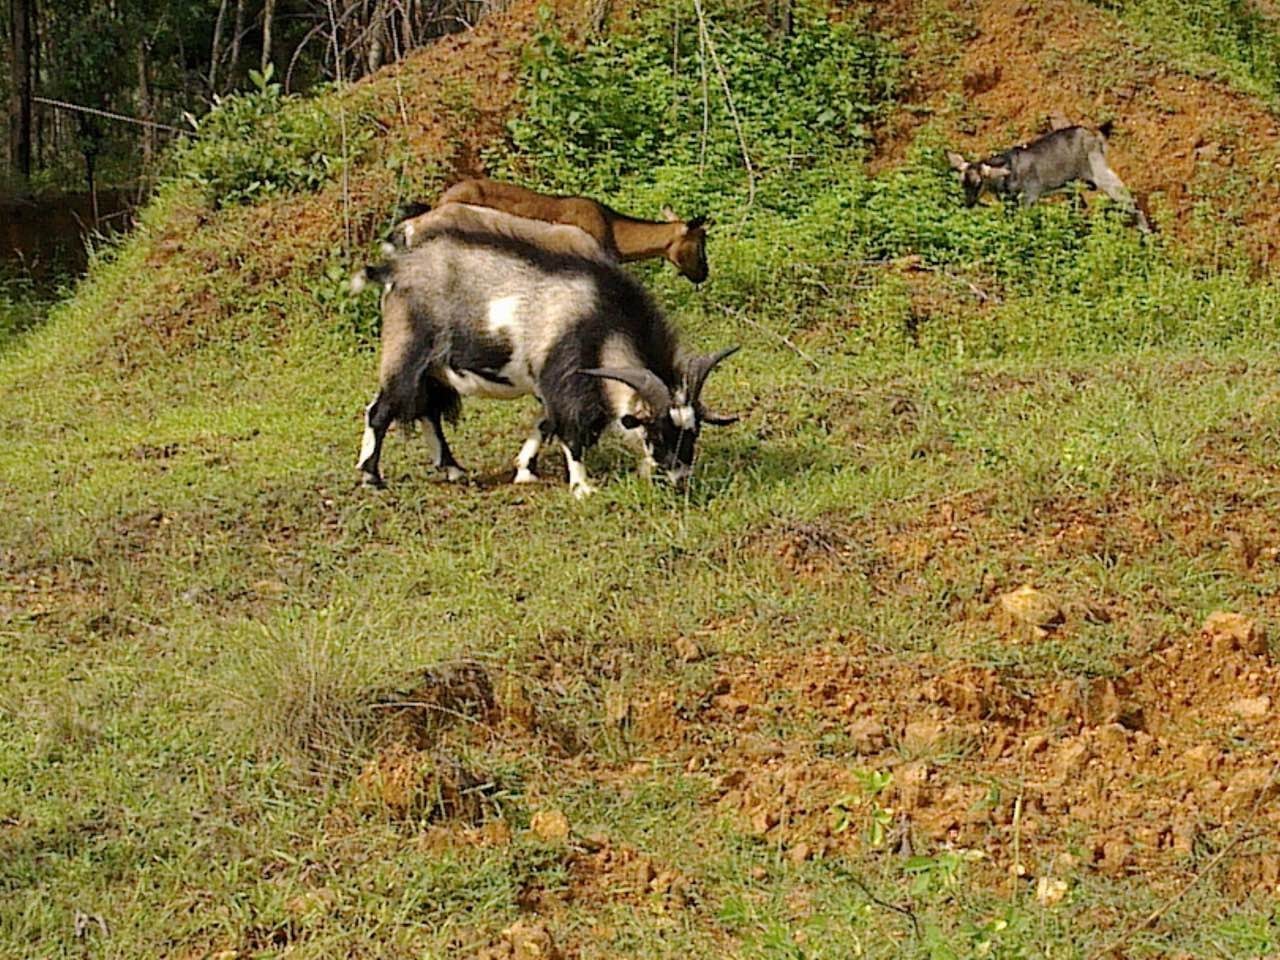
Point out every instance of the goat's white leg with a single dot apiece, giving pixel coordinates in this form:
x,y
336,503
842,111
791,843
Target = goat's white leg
x,y
377,417
527,458
578,484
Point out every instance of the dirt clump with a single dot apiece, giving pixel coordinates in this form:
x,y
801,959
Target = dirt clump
x,y
523,940
424,786
550,826
1030,611
415,713
1124,774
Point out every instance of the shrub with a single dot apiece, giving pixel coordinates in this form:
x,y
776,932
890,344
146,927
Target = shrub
x,y
624,115
254,144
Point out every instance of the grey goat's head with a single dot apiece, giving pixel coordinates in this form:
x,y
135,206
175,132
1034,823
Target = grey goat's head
x,y
975,177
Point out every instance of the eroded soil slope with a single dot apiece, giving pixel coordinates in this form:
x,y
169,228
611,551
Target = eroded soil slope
x,y
1018,69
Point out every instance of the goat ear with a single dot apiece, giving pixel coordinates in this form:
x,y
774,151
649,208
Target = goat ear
x,y
700,222
993,173
957,162
669,215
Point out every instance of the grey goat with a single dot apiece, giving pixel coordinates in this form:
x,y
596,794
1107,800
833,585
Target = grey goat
x,y
1031,170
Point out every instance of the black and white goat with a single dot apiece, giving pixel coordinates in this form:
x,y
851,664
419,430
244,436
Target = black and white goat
x,y
500,314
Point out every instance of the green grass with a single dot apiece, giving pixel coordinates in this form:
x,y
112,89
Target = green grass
x,y
22,307
1235,40
202,615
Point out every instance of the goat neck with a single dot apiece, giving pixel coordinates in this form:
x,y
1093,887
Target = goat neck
x,y
641,239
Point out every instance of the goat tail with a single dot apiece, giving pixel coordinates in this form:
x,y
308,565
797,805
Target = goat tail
x,y
375,273
1106,128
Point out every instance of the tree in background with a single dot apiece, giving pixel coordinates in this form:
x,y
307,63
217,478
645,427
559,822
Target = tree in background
x,y
153,60
20,86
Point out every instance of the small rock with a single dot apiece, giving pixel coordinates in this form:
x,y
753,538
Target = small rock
x,y
1115,854
1031,611
687,650
763,821
1227,632
867,735
1071,758
531,941
1050,891
550,826
1113,738
1251,708
1201,759
800,852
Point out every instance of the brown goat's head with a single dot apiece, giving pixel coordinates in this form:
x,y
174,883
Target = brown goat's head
x,y
688,249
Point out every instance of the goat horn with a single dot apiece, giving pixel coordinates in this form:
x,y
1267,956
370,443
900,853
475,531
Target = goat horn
x,y
714,419
699,368
655,393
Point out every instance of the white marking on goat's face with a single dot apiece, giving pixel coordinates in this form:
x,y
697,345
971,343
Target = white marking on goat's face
x,y
670,441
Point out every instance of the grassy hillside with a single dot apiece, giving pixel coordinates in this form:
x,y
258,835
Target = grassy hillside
x,y
251,709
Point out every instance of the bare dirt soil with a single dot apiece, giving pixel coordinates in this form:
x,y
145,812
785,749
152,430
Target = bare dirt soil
x,y
1027,67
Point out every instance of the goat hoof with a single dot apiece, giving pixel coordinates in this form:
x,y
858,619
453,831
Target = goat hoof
x,y
524,475
373,481
454,474
582,490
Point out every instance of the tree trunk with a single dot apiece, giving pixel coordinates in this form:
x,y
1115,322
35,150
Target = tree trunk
x,y
20,104
236,37
146,109
215,50
268,18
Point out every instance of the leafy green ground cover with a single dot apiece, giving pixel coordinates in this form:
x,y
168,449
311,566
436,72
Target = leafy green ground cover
x,y
203,617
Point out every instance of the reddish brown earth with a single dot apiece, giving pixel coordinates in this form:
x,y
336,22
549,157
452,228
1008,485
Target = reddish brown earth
x,y
1122,775
1030,66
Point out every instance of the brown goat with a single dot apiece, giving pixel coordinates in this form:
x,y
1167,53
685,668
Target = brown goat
x,y
623,238
464,217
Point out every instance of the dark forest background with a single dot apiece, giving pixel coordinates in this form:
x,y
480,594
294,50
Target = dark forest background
x,y
154,61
